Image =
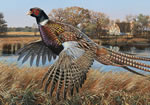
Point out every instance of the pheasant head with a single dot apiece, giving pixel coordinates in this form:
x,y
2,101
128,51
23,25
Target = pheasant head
x,y
39,14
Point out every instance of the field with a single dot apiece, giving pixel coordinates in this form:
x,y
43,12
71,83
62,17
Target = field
x,y
111,40
21,86
14,40
22,33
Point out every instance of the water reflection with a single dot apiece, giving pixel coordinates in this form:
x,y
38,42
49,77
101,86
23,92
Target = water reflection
x,y
10,49
139,51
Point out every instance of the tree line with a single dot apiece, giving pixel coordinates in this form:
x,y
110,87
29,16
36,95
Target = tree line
x,y
90,22
94,24
22,29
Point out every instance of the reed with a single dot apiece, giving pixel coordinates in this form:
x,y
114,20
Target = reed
x,y
22,33
21,86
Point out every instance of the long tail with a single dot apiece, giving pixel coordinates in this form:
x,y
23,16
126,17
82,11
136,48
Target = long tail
x,y
110,57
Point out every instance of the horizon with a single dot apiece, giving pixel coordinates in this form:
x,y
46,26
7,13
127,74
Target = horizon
x,y
15,11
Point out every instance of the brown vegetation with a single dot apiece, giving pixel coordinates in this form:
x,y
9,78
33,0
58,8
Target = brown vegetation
x,y
125,41
22,33
22,86
12,40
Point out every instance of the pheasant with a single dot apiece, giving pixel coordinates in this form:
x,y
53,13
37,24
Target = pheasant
x,y
76,53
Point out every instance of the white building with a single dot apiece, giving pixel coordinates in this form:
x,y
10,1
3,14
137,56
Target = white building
x,y
114,29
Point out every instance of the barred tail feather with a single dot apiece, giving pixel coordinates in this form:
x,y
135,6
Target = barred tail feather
x,y
128,62
129,56
109,57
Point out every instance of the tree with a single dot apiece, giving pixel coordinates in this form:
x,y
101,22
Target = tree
x,y
90,30
130,18
3,25
58,15
90,22
71,15
100,20
143,21
27,29
140,24
135,27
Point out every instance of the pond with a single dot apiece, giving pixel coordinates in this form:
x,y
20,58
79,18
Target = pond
x,y
10,58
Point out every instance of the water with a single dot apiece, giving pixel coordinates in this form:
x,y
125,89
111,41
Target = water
x,y
11,59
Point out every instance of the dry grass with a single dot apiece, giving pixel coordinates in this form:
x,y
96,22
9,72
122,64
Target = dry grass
x,y
22,33
21,86
16,40
13,41
138,40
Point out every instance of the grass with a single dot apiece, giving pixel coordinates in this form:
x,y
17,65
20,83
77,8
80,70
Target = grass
x,y
21,86
22,33
13,40
120,41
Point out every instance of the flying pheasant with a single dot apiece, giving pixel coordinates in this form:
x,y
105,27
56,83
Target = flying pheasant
x,y
76,53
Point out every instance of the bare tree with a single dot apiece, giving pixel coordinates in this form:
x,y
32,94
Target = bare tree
x,y
70,15
88,21
143,21
130,18
100,20
58,15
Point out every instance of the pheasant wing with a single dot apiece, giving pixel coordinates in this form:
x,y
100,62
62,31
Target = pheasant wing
x,y
34,49
69,71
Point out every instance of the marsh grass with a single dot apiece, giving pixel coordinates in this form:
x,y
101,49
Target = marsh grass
x,y
9,40
22,86
22,33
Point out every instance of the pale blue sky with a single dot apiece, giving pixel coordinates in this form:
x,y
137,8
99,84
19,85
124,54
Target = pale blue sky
x,y
15,10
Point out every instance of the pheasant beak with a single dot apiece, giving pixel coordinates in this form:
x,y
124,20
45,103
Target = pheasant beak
x,y
29,13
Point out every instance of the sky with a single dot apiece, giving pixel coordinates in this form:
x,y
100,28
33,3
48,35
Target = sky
x,y
15,10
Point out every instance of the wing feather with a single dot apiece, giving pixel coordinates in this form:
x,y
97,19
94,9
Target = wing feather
x,y
49,74
69,72
38,56
34,49
32,58
44,54
26,56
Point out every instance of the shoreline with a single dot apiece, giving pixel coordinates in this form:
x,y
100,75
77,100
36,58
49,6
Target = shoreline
x,y
120,41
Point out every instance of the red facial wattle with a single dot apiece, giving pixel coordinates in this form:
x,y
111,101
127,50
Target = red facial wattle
x,y
35,12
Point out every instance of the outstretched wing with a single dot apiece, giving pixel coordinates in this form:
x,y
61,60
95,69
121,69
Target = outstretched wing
x,y
34,49
69,72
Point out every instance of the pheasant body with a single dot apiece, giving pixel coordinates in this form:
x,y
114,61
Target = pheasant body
x,y
69,71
